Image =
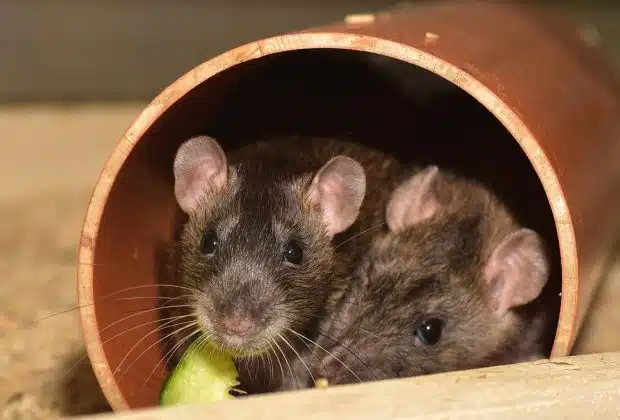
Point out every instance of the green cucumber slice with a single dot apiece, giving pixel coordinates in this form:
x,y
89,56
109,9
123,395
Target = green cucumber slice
x,y
202,376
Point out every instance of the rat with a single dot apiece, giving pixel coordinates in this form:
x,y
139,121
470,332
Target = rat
x,y
260,246
451,283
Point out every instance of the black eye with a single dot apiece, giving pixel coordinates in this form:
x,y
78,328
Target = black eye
x,y
293,253
208,244
429,332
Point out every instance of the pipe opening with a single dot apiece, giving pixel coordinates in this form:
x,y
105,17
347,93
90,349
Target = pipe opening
x,y
372,99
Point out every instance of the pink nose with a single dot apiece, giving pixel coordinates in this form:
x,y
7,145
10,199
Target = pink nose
x,y
237,325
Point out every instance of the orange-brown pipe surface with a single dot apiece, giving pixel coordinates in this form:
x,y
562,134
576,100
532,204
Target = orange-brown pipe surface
x,y
550,90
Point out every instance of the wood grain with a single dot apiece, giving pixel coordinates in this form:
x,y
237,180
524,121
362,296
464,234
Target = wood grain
x,y
577,387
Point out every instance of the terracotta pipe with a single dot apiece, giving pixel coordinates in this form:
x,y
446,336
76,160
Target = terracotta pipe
x,y
520,75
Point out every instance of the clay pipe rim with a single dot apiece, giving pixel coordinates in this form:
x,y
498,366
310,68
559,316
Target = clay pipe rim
x,y
301,41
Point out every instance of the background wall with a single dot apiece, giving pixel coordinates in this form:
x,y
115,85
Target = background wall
x,y
63,50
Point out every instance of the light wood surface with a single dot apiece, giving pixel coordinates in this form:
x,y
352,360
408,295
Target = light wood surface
x,y
578,387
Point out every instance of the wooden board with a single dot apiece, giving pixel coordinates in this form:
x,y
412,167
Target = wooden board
x,y
577,387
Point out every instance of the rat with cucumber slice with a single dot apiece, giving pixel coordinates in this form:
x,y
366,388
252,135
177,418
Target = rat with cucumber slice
x,y
269,227
452,283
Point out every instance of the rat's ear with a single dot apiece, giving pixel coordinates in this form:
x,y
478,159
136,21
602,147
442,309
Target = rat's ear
x,y
338,188
199,167
517,270
413,201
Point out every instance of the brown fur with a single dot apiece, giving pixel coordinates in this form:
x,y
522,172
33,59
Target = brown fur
x,y
432,270
259,210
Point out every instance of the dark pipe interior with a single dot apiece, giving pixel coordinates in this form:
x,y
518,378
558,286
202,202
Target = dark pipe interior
x,y
392,105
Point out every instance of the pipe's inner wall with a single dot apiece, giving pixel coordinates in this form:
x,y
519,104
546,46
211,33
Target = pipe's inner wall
x,y
389,104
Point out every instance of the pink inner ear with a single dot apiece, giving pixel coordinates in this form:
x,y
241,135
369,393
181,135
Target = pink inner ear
x,y
205,170
498,287
332,209
199,167
426,208
338,188
517,270
334,202
332,187
413,201
196,180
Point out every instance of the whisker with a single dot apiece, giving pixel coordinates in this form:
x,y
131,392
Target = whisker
x,y
198,345
192,324
161,327
81,359
109,295
142,312
280,310
360,234
287,362
154,297
204,342
277,358
263,362
171,351
337,342
314,354
78,307
326,351
201,344
298,356
351,352
250,363
270,361
143,286
97,265
59,313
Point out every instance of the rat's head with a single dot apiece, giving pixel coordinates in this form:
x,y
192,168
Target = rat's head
x,y
438,291
256,249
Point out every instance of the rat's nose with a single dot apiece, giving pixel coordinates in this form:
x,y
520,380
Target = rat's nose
x,y
237,325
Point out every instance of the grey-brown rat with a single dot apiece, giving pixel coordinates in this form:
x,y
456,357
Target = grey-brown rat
x,y
259,249
452,283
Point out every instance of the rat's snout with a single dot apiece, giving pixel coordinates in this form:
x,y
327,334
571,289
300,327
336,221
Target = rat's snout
x,y
237,324
238,303
239,316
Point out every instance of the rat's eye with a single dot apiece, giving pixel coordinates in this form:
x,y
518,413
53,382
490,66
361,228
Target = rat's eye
x,y
293,253
429,332
209,243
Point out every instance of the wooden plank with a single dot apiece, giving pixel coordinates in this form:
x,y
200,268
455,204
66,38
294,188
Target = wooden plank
x,y
577,387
